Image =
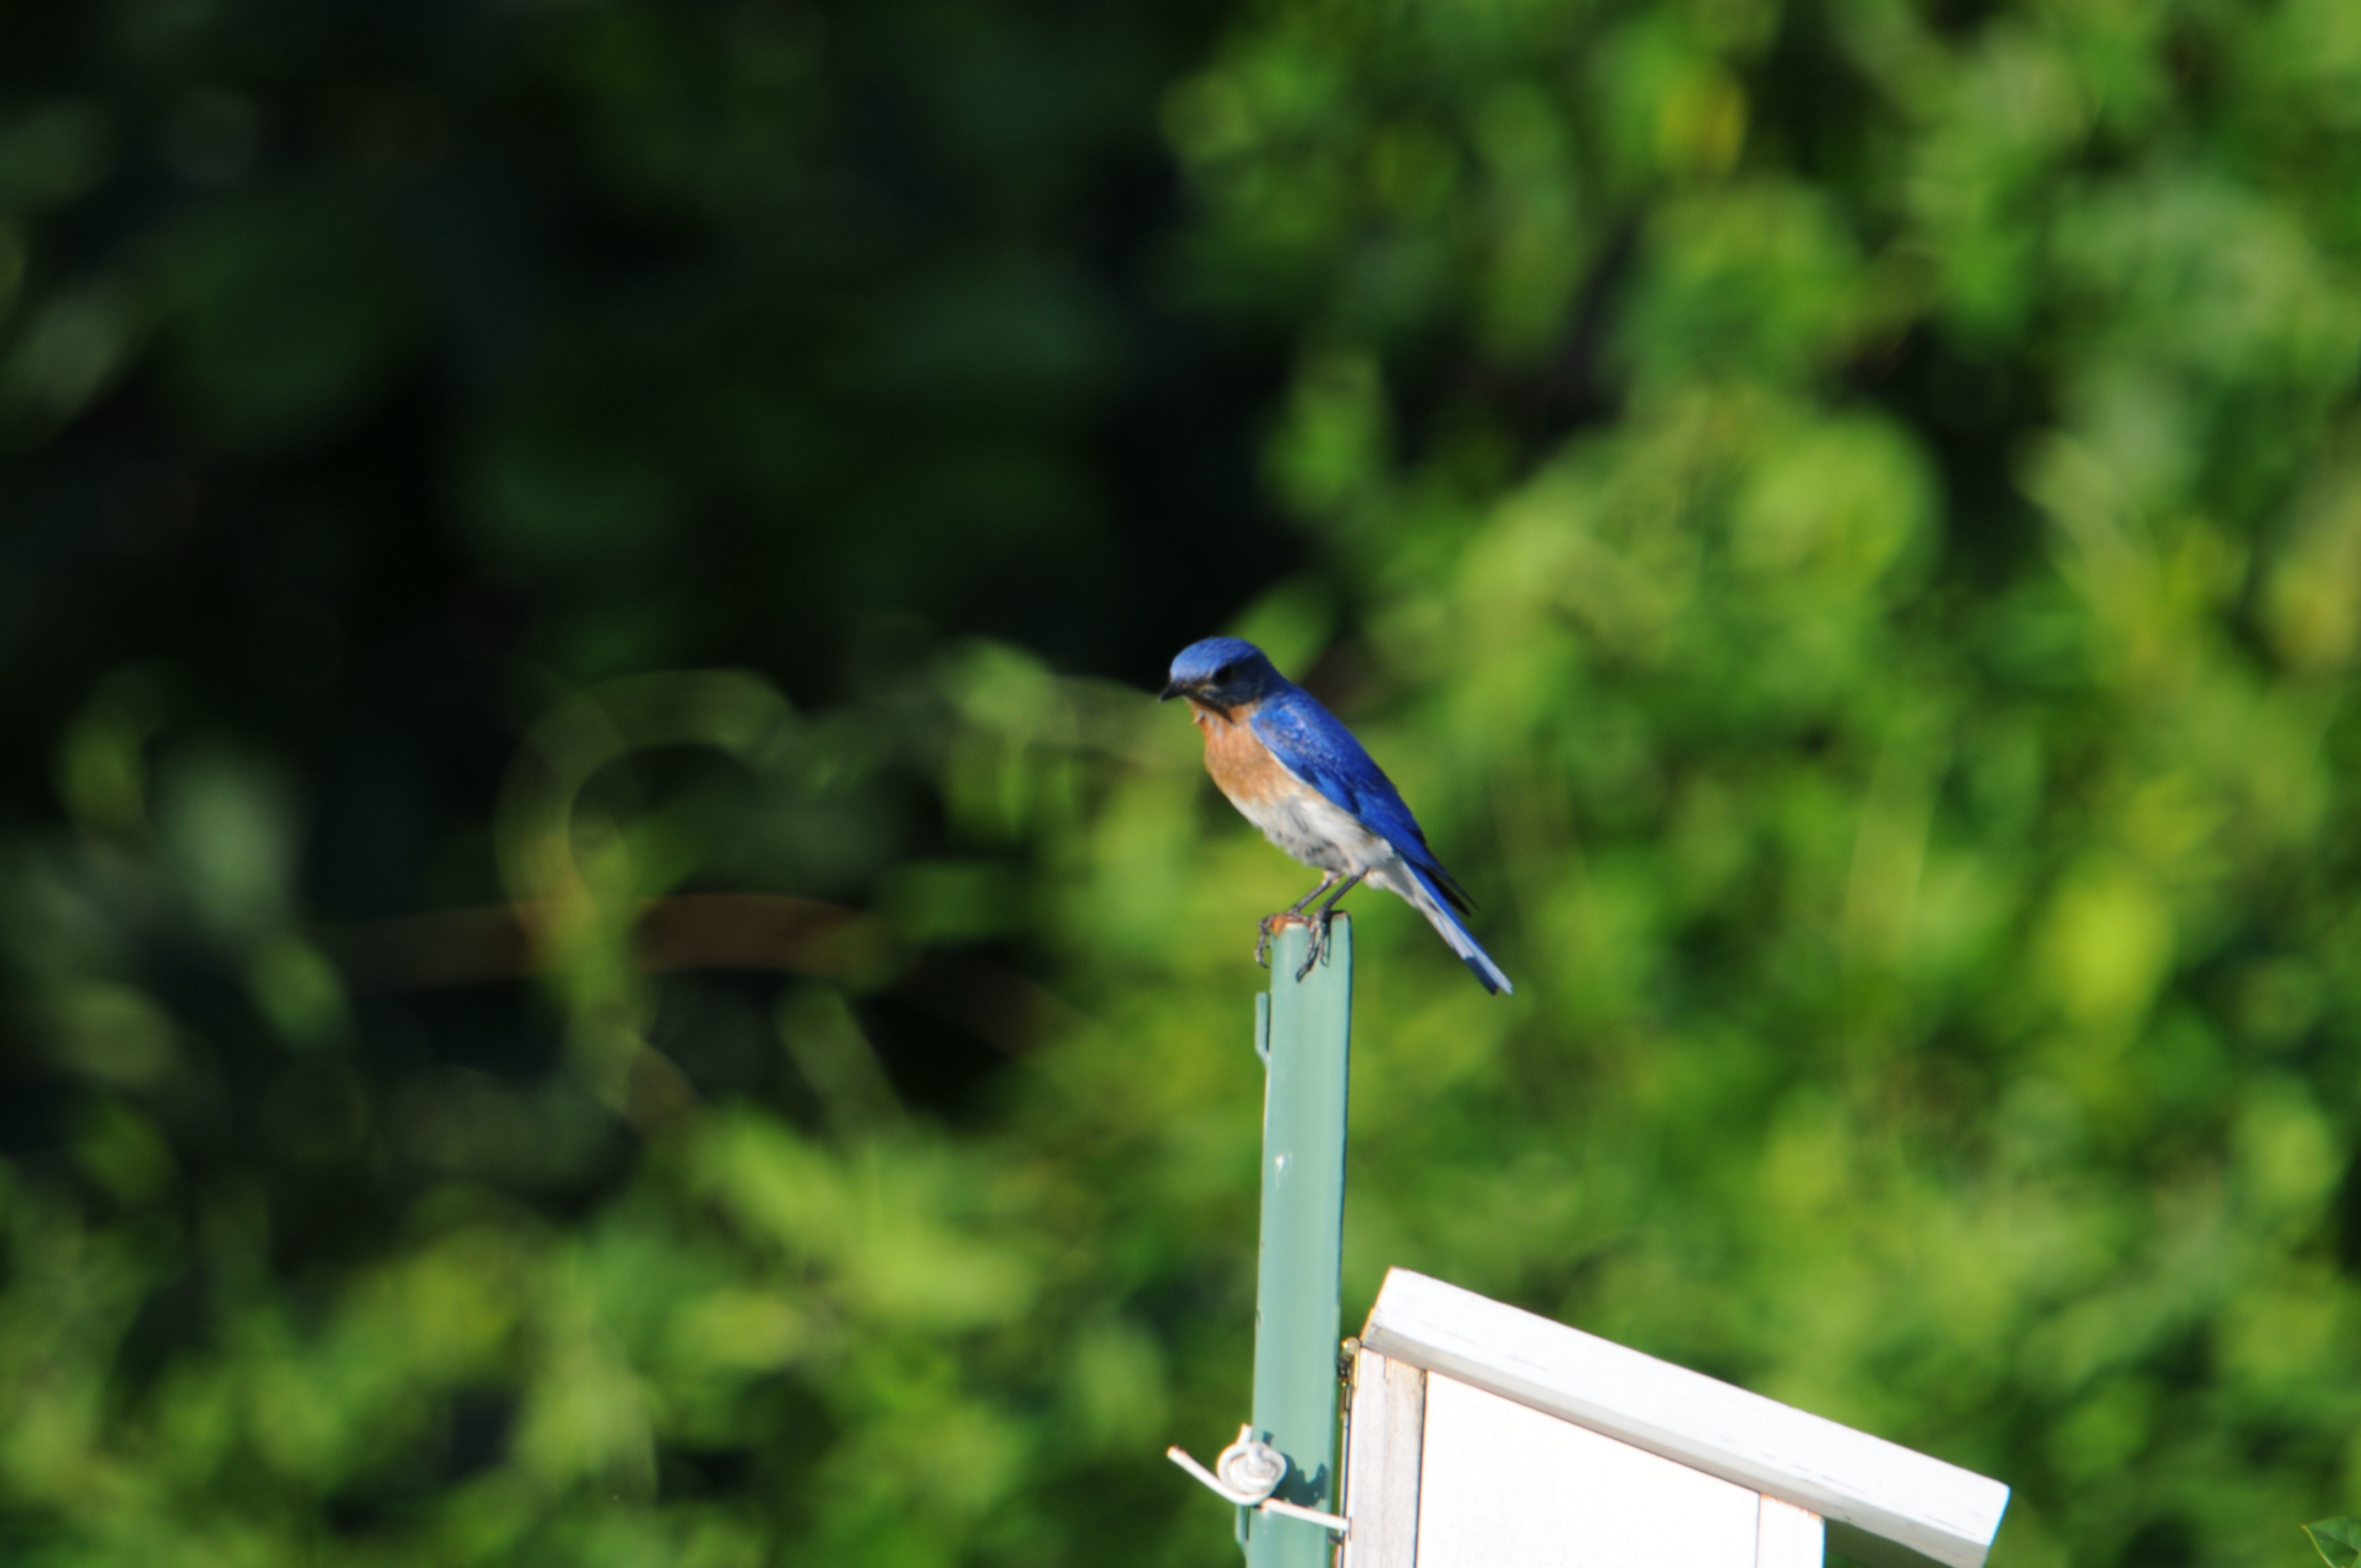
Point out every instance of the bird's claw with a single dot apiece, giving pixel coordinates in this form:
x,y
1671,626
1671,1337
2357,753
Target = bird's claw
x,y
1317,923
1267,930
1317,947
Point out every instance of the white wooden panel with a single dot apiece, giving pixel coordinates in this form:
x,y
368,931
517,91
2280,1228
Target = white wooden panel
x,y
1502,1486
1895,1506
1382,1442
1789,1537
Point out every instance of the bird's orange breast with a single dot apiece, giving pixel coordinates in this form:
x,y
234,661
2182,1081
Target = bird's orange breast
x,y
1241,764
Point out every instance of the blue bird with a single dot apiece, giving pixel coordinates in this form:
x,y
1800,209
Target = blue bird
x,y
1296,772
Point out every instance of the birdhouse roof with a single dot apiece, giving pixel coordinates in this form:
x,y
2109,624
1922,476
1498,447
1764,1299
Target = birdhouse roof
x,y
1886,1505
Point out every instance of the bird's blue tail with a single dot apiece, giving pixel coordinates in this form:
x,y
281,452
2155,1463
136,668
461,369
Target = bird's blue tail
x,y
1429,901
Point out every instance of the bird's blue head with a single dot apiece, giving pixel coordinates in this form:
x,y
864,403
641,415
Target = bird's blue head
x,y
1225,673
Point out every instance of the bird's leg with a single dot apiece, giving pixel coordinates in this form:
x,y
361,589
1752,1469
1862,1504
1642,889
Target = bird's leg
x,y
1262,938
1318,947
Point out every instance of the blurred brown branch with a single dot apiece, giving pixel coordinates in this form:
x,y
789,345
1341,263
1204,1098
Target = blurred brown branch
x,y
776,932
685,931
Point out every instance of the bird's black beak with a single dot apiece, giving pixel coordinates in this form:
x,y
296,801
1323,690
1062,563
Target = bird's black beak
x,y
1170,692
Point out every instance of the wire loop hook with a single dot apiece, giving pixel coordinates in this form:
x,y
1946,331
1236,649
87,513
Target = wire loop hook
x,y
1246,1473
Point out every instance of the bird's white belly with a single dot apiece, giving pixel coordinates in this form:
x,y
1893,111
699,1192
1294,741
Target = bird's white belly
x,y
1316,831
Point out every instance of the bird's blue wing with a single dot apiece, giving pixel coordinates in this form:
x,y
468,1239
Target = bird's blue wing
x,y
1317,748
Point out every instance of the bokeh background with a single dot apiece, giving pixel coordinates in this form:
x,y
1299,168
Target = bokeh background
x,y
609,963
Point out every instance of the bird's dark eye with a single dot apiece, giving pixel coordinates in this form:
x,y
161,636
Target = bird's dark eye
x,y
1221,676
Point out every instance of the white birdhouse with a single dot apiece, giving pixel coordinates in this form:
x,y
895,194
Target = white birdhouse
x,y
1485,1437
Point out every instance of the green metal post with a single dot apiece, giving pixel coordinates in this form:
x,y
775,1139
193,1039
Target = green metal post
x,y
1308,1027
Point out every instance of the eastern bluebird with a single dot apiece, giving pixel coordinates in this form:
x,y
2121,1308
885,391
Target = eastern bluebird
x,y
1297,774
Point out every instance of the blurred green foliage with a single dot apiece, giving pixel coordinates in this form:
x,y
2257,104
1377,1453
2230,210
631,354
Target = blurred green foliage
x,y
608,962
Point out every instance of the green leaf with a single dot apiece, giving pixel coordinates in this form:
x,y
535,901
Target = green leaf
x,y
2338,1541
